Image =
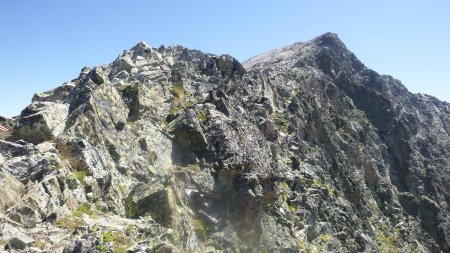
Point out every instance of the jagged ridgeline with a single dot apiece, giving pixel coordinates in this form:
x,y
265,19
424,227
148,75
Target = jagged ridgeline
x,y
301,149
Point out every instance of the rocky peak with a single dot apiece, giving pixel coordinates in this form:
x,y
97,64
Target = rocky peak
x,y
298,149
326,53
141,49
330,40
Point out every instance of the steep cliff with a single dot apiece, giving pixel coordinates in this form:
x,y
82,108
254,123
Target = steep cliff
x,y
300,149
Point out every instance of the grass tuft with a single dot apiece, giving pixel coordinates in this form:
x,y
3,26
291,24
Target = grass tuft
x,y
202,116
80,175
177,90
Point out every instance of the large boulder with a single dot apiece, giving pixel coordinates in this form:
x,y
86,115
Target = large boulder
x,y
34,167
238,145
19,241
57,95
45,201
41,121
155,200
188,132
84,245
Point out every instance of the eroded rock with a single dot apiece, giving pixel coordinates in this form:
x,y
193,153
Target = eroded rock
x,y
174,150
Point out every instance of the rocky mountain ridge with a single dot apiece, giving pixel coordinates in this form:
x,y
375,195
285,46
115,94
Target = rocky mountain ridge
x,y
301,149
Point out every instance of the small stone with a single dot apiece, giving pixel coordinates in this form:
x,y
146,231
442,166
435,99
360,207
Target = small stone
x,y
20,241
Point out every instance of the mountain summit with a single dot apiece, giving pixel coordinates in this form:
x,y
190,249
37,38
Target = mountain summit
x,y
300,149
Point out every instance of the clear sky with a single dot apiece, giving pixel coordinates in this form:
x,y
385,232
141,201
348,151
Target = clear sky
x,y
45,43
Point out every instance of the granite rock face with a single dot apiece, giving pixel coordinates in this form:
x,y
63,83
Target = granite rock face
x,y
300,149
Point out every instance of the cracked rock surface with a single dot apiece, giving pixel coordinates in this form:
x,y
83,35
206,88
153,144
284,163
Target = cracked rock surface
x,y
300,149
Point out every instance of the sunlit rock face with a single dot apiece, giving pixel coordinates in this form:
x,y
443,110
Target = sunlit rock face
x,y
300,149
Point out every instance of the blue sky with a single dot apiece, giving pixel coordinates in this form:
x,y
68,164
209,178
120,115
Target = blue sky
x,y
45,43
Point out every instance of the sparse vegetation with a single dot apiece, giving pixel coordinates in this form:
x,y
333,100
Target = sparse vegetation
x,y
80,175
108,237
102,247
316,183
301,243
265,250
324,237
83,209
281,121
180,98
175,107
119,249
386,242
284,191
122,188
292,207
386,237
200,228
120,241
177,90
70,222
202,116
40,244
74,221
